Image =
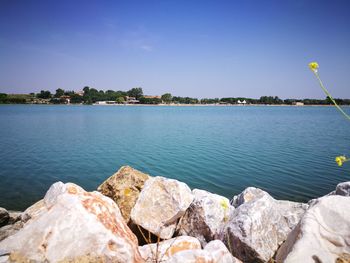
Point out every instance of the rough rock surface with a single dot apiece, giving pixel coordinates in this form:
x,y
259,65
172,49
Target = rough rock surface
x,y
71,224
168,248
124,188
161,203
10,229
4,216
214,252
206,216
322,235
260,224
343,189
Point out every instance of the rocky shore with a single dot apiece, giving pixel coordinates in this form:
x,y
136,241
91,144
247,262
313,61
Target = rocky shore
x,y
134,217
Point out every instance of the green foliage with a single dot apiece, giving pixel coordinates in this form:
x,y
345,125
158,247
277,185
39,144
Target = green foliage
x,y
120,100
144,100
185,100
75,98
210,101
167,98
44,94
270,100
59,93
135,92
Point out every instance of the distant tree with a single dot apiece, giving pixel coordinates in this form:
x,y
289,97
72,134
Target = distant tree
x,y
167,97
44,94
86,90
135,92
69,92
59,93
3,97
120,100
76,98
144,100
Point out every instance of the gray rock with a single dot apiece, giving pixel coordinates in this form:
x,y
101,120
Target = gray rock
x,y
322,235
4,217
9,230
160,204
206,216
343,189
260,224
14,216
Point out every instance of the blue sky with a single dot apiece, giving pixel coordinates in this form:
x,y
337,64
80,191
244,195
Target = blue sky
x,y
188,48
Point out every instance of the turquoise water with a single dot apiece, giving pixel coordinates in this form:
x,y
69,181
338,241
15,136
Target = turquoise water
x,y
288,151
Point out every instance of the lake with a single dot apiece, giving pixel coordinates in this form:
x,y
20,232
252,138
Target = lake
x,y
287,151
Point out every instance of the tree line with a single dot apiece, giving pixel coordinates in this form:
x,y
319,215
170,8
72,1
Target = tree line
x,y
91,95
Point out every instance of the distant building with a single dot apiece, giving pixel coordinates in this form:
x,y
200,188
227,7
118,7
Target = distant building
x,y
152,97
242,102
65,99
131,100
80,93
298,103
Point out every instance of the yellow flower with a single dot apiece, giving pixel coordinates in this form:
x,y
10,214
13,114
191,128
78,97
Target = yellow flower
x,y
313,66
340,160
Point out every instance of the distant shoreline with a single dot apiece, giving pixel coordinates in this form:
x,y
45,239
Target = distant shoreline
x,y
176,105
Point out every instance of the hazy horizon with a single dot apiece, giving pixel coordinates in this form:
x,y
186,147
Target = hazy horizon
x,y
202,49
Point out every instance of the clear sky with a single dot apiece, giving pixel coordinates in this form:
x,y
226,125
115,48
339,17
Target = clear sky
x,y
188,48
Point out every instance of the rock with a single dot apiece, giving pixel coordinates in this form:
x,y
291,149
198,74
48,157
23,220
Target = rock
x,y
248,195
343,189
9,230
73,225
34,211
14,216
322,235
161,203
168,248
4,217
206,216
260,224
220,253
214,252
124,188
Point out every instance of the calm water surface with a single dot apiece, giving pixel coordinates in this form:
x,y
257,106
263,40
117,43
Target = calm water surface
x,y
288,151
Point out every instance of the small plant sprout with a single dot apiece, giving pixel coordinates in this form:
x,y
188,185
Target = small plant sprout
x,y
314,68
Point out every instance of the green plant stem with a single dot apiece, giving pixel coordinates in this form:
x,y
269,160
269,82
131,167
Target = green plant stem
x,y
330,96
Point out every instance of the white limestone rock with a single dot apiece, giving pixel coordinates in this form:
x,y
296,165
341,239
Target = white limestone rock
x,y
322,235
214,252
206,216
160,204
167,248
260,224
73,225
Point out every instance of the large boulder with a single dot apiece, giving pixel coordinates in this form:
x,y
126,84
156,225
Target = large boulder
x,y
167,248
124,188
322,235
214,252
260,224
161,203
206,216
73,225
